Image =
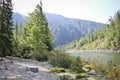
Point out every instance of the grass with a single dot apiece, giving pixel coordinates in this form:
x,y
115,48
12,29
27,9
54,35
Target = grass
x,y
110,70
58,70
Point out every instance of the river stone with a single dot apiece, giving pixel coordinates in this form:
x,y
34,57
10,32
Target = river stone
x,y
34,70
91,72
100,76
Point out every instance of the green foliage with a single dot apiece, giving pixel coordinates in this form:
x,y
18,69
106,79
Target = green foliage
x,y
98,66
41,55
58,70
60,59
34,39
5,27
38,33
90,67
82,75
77,65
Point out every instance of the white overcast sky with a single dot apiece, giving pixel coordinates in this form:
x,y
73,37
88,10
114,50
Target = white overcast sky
x,y
94,10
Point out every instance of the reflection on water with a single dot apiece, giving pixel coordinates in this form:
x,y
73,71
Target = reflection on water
x,y
103,57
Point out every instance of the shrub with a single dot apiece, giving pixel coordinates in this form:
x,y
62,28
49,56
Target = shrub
x,y
90,67
98,66
82,75
113,72
110,70
77,65
60,59
22,51
58,70
41,55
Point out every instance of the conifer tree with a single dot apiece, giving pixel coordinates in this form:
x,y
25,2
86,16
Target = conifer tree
x,y
38,33
5,27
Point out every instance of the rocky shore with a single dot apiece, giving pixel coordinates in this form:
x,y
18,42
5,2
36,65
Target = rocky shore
x,y
21,69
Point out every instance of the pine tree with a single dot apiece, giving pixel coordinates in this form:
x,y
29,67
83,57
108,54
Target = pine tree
x,y
5,27
37,29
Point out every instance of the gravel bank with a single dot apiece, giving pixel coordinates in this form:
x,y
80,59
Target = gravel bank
x,y
20,69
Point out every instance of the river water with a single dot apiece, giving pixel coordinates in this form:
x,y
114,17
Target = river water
x,y
101,56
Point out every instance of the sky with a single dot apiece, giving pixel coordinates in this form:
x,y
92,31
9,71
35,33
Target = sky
x,y
94,10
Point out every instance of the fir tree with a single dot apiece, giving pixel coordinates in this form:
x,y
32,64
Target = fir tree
x,y
5,27
38,33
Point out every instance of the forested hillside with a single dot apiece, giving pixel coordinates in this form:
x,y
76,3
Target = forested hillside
x,y
65,29
107,38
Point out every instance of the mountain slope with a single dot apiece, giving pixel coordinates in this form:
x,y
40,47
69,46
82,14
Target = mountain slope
x,y
107,38
17,17
66,30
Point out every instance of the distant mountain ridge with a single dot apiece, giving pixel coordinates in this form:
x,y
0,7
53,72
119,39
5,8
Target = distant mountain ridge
x,y
65,29
17,17
107,38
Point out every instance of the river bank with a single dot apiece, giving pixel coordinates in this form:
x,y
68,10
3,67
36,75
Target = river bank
x,y
95,51
106,56
12,68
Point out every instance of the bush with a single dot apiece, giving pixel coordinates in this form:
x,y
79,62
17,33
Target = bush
x,y
41,55
113,72
88,67
110,70
60,59
77,65
22,52
58,70
98,66
82,75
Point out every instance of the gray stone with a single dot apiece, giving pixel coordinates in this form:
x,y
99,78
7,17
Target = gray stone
x,y
100,76
34,70
91,72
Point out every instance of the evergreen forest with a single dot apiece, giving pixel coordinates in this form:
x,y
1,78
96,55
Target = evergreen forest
x,y
106,38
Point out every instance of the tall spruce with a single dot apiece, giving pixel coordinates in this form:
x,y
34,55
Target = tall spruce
x,y
38,34
5,27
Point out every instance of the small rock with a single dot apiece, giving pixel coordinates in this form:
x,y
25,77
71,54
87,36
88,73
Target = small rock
x,y
85,79
100,76
34,70
91,72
